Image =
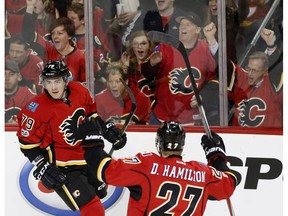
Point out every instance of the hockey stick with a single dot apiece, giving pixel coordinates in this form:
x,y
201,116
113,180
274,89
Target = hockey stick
x,y
129,117
161,37
70,197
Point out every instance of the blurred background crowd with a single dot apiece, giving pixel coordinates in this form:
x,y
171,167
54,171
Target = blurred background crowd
x,y
247,87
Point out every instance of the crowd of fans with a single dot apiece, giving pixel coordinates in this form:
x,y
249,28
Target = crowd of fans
x,y
38,31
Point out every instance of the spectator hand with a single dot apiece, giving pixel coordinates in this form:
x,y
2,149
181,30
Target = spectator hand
x,y
210,32
125,59
268,36
50,176
155,58
193,102
214,147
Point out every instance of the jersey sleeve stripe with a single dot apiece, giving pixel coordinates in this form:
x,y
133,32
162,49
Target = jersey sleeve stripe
x,y
29,146
233,175
100,168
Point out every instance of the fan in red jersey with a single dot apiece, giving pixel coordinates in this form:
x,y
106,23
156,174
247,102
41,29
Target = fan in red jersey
x,y
30,65
165,184
49,137
114,103
166,67
15,96
59,46
258,102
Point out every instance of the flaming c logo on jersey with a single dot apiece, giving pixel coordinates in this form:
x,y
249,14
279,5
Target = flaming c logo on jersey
x,y
70,125
180,81
245,108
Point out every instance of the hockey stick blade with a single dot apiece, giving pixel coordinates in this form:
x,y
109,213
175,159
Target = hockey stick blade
x,y
129,117
161,37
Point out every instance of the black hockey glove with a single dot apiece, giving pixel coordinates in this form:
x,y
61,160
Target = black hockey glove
x,y
91,131
152,21
213,148
112,134
50,176
101,190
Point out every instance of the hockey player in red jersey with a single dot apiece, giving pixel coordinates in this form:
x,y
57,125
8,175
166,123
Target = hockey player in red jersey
x,y
164,184
49,138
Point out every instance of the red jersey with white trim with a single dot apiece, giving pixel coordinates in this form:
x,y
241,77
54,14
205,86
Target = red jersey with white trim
x,y
259,106
14,103
167,186
31,70
111,108
173,90
45,121
75,61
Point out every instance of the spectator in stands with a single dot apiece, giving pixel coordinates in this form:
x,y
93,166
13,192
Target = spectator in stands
x,y
75,12
138,51
61,45
173,90
124,23
169,12
234,16
258,9
14,6
114,103
38,8
15,96
30,64
272,49
257,102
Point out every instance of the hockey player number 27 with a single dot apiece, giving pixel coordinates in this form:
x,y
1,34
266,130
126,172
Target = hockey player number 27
x,y
192,196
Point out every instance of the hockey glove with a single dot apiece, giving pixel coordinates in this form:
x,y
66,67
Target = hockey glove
x,y
90,130
101,189
112,134
213,148
152,21
50,176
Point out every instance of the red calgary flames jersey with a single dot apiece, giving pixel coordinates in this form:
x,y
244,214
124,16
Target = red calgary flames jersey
x,y
75,61
255,106
167,186
14,103
45,121
174,90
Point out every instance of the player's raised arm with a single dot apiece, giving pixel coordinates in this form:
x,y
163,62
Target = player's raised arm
x,y
216,155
